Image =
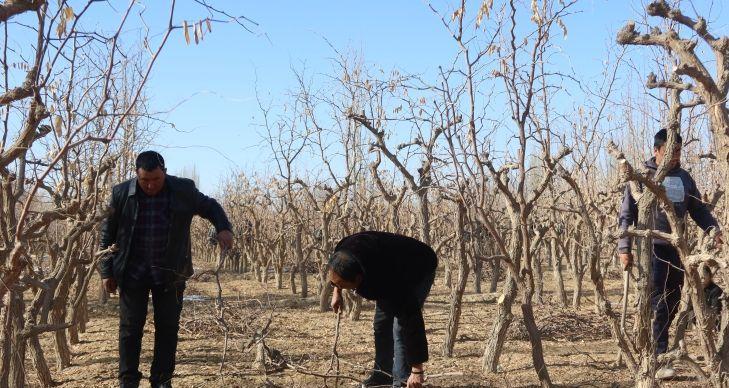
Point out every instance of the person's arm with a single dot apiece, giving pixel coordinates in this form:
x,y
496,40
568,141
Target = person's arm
x,y
108,237
628,217
336,303
698,210
211,210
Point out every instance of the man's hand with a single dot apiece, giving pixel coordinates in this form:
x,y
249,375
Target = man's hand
x,y
336,300
626,259
416,380
225,239
718,240
109,285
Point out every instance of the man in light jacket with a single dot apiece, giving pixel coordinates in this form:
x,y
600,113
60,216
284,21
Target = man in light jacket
x,y
666,266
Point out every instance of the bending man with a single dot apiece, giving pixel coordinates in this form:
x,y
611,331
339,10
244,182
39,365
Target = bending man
x,y
396,272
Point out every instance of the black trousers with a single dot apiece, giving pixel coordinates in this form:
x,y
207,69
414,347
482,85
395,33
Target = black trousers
x,y
666,297
389,339
167,303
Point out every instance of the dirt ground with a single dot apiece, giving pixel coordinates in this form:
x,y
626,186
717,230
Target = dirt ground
x,y
577,344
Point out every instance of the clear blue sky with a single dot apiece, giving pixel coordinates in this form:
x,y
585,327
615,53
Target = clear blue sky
x,y
216,126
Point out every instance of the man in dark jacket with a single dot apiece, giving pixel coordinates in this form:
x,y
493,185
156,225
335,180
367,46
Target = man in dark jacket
x,y
396,272
666,266
150,224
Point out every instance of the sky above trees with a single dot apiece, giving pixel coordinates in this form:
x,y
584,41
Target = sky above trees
x,y
207,92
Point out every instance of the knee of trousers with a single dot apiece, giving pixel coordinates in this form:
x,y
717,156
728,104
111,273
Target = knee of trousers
x,y
129,330
167,325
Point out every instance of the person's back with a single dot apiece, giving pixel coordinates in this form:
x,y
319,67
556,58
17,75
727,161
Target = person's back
x,y
393,264
396,272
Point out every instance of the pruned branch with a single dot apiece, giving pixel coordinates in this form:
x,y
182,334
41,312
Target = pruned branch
x,y
15,7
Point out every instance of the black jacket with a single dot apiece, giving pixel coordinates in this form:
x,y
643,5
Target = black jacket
x,y
185,202
682,190
712,298
394,266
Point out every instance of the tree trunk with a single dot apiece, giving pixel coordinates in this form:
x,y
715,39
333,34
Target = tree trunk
x,y
477,269
16,376
682,318
530,262
304,280
557,271
539,286
278,276
292,280
536,341
73,335
447,273
301,265
495,274
644,339
495,342
265,271
257,272
424,215
325,290
58,315
83,314
325,297
39,362
454,313
576,296
6,339
244,262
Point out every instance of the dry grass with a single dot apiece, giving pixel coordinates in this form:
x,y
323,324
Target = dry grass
x,y
577,344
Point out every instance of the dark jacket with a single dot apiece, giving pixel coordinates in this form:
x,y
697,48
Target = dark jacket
x,y
712,298
395,268
185,202
681,190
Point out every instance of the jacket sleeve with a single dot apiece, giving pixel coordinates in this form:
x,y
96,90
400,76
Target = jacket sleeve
x,y
628,216
697,208
412,331
108,236
211,210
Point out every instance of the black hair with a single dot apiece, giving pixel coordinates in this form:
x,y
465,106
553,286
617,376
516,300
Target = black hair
x,y
149,161
661,138
345,265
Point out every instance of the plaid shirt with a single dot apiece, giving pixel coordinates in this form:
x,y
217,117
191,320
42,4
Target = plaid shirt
x,y
149,244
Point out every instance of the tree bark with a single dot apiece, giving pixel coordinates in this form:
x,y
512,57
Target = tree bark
x,y
16,376
557,272
495,342
39,362
454,312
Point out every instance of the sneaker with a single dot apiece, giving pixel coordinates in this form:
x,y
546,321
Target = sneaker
x,y
377,379
399,383
665,372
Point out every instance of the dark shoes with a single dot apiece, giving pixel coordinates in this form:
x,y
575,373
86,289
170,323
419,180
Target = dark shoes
x,y
129,383
377,379
164,384
133,383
